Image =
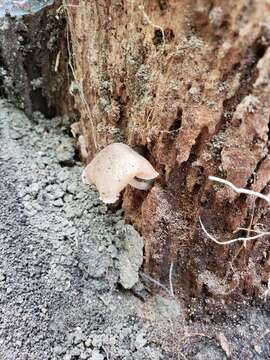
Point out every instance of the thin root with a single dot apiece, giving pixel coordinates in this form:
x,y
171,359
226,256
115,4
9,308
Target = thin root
x,y
258,235
233,240
240,190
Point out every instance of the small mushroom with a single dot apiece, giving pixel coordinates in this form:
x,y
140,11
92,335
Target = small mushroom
x,y
116,166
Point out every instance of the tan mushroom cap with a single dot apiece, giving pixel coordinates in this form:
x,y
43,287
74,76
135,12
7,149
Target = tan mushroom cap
x,y
114,167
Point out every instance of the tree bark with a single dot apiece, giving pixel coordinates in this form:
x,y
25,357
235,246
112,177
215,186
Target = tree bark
x,y
186,83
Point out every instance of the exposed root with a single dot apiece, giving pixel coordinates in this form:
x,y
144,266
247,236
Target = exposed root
x,y
240,190
147,277
170,280
57,61
152,24
245,239
258,233
156,282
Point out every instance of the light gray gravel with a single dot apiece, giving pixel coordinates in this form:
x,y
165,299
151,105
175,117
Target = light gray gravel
x,y
60,254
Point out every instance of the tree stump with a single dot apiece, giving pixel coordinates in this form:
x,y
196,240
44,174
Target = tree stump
x,y
187,84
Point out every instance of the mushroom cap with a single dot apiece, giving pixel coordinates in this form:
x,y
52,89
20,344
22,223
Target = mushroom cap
x,y
114,167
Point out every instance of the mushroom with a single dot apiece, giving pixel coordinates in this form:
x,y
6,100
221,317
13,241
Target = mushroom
x,y
116,166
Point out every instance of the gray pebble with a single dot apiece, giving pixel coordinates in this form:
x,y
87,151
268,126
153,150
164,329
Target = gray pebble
x,y
34,189
58,203
96,355
65,153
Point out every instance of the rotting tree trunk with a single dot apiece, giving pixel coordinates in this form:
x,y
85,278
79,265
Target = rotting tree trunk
x,y
187,83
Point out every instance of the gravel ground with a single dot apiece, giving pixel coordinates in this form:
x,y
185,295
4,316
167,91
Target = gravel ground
x,y
67,262
62,254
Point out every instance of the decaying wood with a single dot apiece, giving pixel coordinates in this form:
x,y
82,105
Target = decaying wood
x,y
33,62
187,84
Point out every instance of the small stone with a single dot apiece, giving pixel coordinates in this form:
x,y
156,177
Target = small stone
x,y
18,343
258,349
16,135
73,212
65,153
113,251
97,341
81,195
27,197
101,248
54,192
70,231
19,300
78,336
6,157
72,188
68,198
58,203
28,206
88,342
126,332
84,356
140,341
34,189
44,310
96,355
30,214
64,186
36,206
59,350
75,353
62,176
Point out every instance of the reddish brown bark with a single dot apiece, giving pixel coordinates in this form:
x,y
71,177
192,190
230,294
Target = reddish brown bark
x,y
187,84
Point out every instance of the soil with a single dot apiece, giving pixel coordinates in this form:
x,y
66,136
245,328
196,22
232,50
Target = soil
x,y
61,265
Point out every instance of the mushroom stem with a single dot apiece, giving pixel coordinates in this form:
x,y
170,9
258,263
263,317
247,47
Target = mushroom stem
x,y
141,185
